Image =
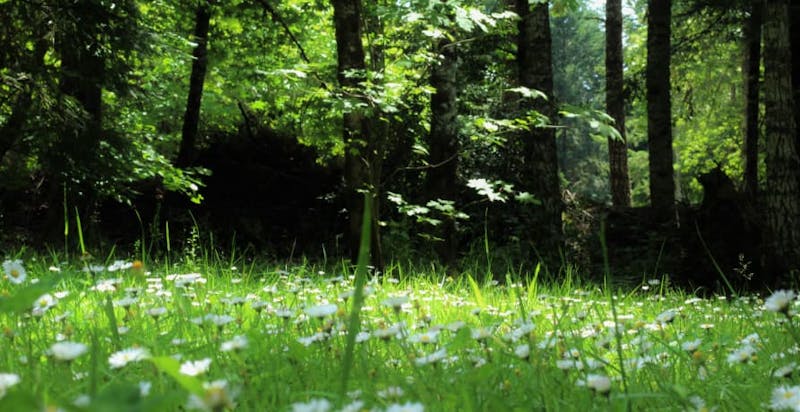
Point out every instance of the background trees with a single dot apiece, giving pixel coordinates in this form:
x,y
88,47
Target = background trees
x,y
457,133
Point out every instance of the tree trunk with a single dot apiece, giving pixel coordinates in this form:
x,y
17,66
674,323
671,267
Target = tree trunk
x,y
794,27
615,106
752,73
191,117
535,70
362,158
659,118
782,196
443,141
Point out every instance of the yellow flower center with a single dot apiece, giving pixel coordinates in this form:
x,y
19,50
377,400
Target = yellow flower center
x,y
14,273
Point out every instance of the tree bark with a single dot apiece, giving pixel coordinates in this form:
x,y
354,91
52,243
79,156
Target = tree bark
x,y
362,158
615,106
659,109
191,117
782,197
794,27
752,73
535,71
443,141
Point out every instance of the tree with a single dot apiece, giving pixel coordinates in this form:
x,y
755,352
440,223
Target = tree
x,y
659,109
362,157
615,105
535,71
191,117
443,138
782,196
752,74
794,27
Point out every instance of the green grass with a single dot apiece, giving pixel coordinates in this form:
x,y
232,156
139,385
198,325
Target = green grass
x,y
428,341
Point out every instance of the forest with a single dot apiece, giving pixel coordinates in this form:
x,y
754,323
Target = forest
x,y
658,136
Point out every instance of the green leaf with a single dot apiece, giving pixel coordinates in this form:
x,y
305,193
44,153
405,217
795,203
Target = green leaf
x,y
23,299
476,290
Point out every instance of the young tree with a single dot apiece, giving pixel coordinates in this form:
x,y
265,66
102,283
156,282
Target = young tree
x,y
362,156
782,195
752,73
659,109
535,71
615,105
191,117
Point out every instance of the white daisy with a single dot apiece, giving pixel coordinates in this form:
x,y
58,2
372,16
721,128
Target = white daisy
x,y
321,311
194,368
780,301
406,407
67,351
126,356
785,397
313,405
15,272
237,343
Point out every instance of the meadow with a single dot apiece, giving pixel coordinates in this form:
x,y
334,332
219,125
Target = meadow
x,y
211,336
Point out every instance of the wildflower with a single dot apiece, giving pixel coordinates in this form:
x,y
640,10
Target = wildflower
x,y
7,380
742,355
785,371
42,304
217,397
406,407
321,311
355,406
144,388
481,334
119,265
666,317
395,302
785,397
15,272
780,301
425,337
523,351
691,346
126,302
388,333
194,368
392,392
313,405
126,356
432,358
67,351
157,312
599,383
237,343
82,401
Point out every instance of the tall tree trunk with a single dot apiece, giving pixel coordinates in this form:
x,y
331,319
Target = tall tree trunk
x,y
615,105
535,70
443,141
659,110
794,27
362,158
782,196
191,117
752,73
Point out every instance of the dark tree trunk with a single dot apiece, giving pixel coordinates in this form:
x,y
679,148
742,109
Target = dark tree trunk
x,y
11,131
794,27
362,158
443,141
659,117
782,195
615,105
191,117
535,70
752,73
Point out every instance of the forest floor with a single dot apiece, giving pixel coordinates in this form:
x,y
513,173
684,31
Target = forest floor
x,y
211,336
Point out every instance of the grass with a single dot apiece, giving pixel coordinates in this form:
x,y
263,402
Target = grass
x,y
214,337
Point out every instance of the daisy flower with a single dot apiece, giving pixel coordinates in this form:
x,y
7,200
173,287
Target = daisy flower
x,y
780,301
15,272
313,405
599,383
68,351
7,380
321,311
406,407
126,356
217,397
237,343
42,304
785,397
194,368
